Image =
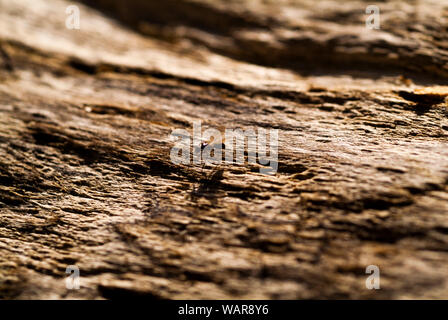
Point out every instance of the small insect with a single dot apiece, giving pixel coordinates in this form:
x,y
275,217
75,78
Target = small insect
x,y
213,145
208,184
203,145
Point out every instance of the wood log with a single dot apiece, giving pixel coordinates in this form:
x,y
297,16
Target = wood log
x,y
86,178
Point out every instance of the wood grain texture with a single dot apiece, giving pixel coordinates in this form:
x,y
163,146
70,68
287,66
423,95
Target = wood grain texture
x,y
86,178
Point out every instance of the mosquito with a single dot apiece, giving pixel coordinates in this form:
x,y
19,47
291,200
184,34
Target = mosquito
x,y
207,181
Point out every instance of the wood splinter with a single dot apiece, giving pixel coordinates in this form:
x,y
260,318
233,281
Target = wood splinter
x,y
426,96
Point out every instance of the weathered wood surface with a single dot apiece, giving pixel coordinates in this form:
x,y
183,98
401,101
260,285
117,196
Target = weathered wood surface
x,y
86,178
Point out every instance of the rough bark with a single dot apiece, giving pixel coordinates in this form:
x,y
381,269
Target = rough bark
x,y
86,178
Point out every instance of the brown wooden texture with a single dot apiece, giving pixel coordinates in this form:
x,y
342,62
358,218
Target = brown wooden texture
x,y
86,178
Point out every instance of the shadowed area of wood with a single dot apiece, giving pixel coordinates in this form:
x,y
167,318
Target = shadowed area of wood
x,y
86,177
